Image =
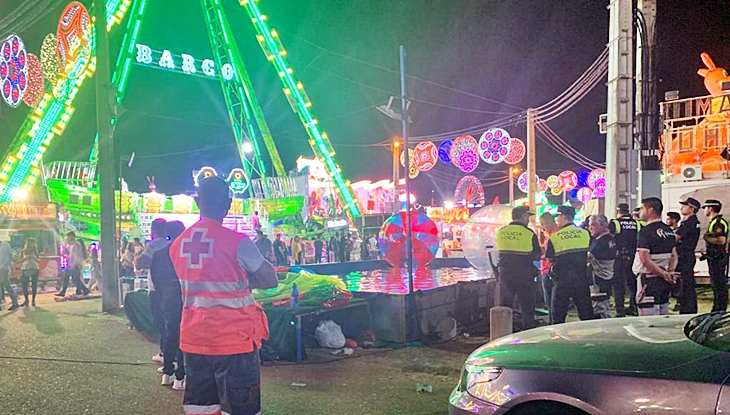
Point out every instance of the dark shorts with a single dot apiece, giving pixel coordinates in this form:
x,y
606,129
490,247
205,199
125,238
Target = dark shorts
x,y
222,384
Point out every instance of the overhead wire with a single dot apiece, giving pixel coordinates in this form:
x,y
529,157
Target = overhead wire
x,y
571,101
554,141
600,60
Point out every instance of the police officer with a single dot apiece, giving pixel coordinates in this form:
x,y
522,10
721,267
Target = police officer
x,y
568,249
716,244
687,235
625,230
518,247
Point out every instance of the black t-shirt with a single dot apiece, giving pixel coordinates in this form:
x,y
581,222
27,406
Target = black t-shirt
x,y
657,238
162,271
625,231
603,248
689,233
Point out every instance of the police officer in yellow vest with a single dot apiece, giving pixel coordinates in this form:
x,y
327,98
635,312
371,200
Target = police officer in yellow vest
x,y
716,255
518,249
568,249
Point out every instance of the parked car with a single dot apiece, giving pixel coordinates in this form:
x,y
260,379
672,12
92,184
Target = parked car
x,y
638,365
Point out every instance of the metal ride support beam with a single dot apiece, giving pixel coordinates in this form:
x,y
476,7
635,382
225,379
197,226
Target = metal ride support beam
x,y
300,103
225,52
620,155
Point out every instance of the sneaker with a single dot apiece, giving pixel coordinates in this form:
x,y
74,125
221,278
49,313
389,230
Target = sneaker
x,y
158,358
179,385
60,294
13,307
167,380
161,369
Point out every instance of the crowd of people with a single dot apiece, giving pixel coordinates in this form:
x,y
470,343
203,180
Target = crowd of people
x,y
644,254
339,247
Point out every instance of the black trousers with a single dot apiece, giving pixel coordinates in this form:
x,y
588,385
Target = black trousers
x,y
230,384
624,277
158,321
563,291
688,298
29,277
526,292
75,275
172,313
718,281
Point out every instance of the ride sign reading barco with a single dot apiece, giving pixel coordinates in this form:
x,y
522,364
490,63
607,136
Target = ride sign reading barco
x,y
186,63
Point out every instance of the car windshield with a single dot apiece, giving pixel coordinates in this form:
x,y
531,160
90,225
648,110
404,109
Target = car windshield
x,y
711,330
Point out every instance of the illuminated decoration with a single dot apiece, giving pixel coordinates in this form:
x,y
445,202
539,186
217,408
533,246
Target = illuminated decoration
x,y
445,151
13,70
182,204
424,241
237,181
595,175
468,160
542,185
552,181
203,173
583,178
517,151
274,51
75,43
49,60
462,143
494,145
555,191
573,193
599,189
567,180
478,237
413,171
411,158
469,192
426,155
522,182
584,194
184,62
36,84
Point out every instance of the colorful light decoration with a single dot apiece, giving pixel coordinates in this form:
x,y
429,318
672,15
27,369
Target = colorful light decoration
x,y
522,182
13,70
444,151
237,181
49,60
75,41
413,171
584,194
599,189
469,191
426,155
542,185
583,178
468,160
567,180
552,181
36,84
595,175
203,173
494,145
517,151
411,158
555,191
461,143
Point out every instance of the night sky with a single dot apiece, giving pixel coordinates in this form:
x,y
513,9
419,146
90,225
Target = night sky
x,y
502,55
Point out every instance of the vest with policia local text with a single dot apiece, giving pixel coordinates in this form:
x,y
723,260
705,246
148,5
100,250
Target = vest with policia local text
x,y
718,227
220,315
570,246
626,232
518,248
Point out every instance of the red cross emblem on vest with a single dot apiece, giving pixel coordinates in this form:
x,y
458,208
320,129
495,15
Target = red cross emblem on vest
x,y
196,247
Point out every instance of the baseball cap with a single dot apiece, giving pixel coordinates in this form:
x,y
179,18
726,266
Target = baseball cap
x,y
713,203
520,211
623,207
691,202
567,211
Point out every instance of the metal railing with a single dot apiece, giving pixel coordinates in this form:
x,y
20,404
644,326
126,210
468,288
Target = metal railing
x,y
79,173
278,187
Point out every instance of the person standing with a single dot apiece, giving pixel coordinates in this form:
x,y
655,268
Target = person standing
x,y
255,221
264,245
373,247
687,235
30,259
567,249
716,246
318,246
75,266
656,260
601,258
332,248
6,260
518,247
625,231
342,248
297,251
222,325
672,220
280,251
549,227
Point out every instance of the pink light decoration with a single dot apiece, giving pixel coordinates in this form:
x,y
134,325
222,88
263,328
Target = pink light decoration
x,y
595,175
36,84
517,151
494,145
567,180
461,143
470,191
13,70
542,185
468,160
522,182
426,155
585,194
599,191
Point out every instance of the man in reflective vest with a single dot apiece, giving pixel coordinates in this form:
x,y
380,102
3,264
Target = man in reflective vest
x,y
568,249
716,244
518,247
625,231
222,326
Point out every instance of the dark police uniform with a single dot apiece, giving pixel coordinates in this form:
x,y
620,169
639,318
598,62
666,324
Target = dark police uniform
x,y
652,297
625,231
567,249
518,247
716,262
689,234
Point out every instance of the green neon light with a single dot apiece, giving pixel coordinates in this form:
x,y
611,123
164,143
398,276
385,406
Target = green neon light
x,y
275,52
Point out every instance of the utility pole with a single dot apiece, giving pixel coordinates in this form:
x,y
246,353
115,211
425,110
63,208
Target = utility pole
x,y
110,284
531,167
620,156
396,173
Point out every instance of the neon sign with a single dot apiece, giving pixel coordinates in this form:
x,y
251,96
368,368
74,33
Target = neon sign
x,y
183,62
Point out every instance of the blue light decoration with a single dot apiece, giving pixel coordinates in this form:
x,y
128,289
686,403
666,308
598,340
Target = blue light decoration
x,y
444,151
573,194
583,178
